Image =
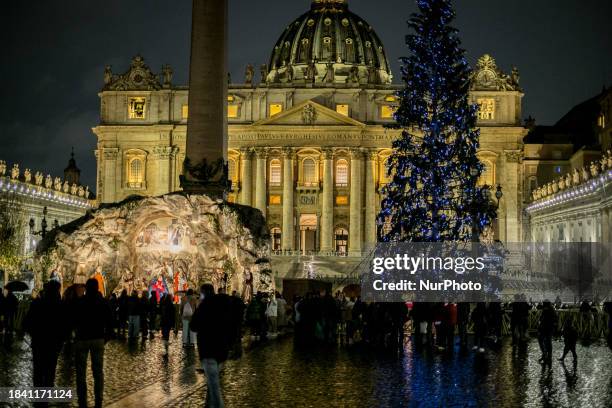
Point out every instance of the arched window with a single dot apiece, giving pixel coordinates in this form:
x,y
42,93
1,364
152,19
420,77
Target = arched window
x,y
275,172
309,172
342,169
488,174
276,238
341,241
231,171
136,174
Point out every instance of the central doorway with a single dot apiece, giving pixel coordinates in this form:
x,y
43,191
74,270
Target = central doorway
x,y
308,233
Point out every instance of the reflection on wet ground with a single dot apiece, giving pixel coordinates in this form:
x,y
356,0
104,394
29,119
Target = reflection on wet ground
x,y
276,374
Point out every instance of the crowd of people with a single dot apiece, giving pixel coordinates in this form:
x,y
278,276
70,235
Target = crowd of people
x,y
87,321
214,323
8,310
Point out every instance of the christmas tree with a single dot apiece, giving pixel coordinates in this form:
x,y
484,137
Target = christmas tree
x,y
434,195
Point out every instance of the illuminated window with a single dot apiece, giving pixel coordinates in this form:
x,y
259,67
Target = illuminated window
x,y
275,172
275,108
341,241
601,121
390,98
486,110
342,109
185,112
387,111
136,108
309,172
342,200
342,169
275,200
232,111
136,174
276,239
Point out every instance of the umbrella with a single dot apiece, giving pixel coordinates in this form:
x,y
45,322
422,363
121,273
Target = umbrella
x,y
17,286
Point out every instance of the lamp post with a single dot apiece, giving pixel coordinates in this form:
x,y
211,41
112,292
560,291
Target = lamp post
x,y
43,225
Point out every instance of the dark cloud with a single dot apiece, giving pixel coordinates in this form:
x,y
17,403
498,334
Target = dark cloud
x,y
56,51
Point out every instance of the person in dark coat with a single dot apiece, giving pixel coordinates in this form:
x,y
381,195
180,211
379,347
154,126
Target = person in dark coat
x,y
463,320
570,338
216,330
479,318
46,323
123,312
168,316
546,329
92,325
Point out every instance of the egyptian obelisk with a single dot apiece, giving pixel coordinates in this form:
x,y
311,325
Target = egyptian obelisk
x,y
205,170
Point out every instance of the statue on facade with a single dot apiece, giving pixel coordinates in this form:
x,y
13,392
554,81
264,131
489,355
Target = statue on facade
x,y
27,176
555,187
48,181
353,76
263,71
74,189
87,192
609,159
249,74
66,187
372,75
38,178
81,191
57,184
515,77
108,75
330,74
585,174
15,172
568,180
549,189
576,177
2,168
310,72
309,115
289,73
561,183
594,169
604,163
167,73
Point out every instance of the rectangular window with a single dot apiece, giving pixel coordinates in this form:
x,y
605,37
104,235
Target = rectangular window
x,y
342,109
185,112
275,200
275,109
232,111
387,111
486,109
342,200
136,108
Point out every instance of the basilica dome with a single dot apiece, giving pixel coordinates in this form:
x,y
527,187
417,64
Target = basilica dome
x,y
329,45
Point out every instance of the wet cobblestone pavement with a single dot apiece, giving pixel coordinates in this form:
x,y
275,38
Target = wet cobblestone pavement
x,y
275,374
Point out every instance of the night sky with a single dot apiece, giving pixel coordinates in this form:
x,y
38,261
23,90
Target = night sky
x,y
53,67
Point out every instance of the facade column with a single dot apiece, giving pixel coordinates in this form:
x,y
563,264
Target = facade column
x,y
260,180
356,203
370,198
288,232
511,197
327,209
246,193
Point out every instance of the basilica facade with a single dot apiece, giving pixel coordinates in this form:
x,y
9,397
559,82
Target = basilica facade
x,y
308,139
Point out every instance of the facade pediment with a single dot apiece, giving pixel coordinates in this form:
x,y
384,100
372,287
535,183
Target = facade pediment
x,y
309,113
